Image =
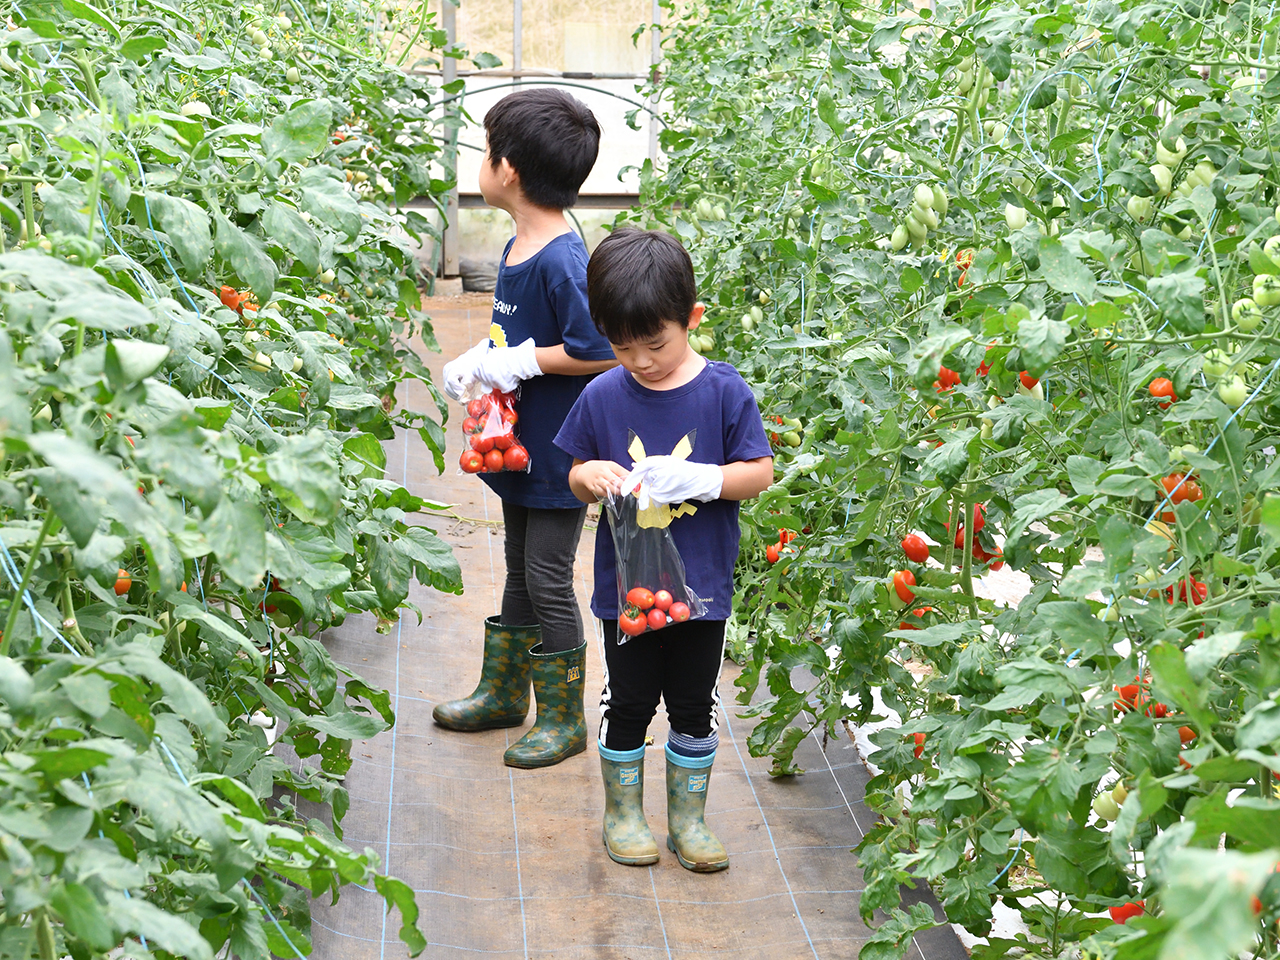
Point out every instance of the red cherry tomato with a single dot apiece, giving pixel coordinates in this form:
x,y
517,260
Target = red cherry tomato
x,y
632,622
919,748
964,258
481,444
470,425
1127,912
679,611
903,581
947,379
663,600
503,441
475,408
1162,389
510,418
493,461
641,597
515,459
771,553
785,536
1028,380
472,462
915,548
1186,734
123,582
657,619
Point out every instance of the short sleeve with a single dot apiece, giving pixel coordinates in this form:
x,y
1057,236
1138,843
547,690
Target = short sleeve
x,y
582,340
577,436
744,430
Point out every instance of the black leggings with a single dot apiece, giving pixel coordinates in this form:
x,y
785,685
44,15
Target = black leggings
x,y
540,550
679,664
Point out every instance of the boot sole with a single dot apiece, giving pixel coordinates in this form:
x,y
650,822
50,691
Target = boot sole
x,y
627,861
492,724
696,867
534,764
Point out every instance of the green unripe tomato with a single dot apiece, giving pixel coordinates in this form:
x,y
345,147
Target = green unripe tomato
x,y
1139,208
1266,290
1216,364
1105,806
898,239
924,196
292,75
757,314
1163,177
1171,158
718,212
1015,217
791,438
1119,793
765,297
1272,248
1233,392
1246,314
747,323
940,201
926,216
916,229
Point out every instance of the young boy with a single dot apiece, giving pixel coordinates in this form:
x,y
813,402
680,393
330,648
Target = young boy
x,y
700,438
542,143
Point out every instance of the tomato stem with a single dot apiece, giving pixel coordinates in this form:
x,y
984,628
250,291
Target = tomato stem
x,y
16,604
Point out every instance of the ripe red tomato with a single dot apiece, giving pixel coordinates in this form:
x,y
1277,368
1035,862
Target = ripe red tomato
x,y
515,459
1186,734
964,258
641,597
1129,696
632,622
915,548
679,611
663,600
979,516
470,425
1159,710
472,462
123,582
919,748
1028,380
657,619
903,581
947,379
771,553
1199,592
1127,912
785,536
1162,389
493,461
230,297
503,441
1256,904
475,408
481,444
510,418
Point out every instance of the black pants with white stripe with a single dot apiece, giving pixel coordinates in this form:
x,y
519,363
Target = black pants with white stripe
x,y
679,664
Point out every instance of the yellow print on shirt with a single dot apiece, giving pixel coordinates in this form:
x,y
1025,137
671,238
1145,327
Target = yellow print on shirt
x,y
497,336
660,514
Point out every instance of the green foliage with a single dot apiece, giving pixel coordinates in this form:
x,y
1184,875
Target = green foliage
x,y
207,293
1055,246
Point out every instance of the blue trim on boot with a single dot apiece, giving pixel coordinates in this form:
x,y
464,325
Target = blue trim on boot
x,y
621,756
690,763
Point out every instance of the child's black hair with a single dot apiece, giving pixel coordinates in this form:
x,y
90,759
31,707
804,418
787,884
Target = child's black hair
x,y
636,280
550,138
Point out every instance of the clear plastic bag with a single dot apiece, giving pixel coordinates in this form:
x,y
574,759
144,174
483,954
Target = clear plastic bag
x,y
652,592
490,432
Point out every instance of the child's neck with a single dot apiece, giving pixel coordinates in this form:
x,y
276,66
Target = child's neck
x,y
535,228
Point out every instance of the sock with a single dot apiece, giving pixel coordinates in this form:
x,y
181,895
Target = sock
x,y
692,747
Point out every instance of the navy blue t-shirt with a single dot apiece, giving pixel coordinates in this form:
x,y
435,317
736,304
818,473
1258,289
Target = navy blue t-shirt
x,y
545,297
718,412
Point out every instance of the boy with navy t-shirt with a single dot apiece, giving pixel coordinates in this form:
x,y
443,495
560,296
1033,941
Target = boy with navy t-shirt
x,y
690,431
541,144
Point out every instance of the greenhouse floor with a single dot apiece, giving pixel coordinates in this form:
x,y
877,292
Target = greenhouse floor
x,y
508,863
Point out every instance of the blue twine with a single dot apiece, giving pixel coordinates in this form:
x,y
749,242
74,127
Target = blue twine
x,y
1017,849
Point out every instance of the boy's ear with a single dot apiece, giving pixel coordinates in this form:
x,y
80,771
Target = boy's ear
x,y
507,174
695,315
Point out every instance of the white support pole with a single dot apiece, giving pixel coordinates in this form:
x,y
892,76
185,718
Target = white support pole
x,y
517,36
655,59
449,247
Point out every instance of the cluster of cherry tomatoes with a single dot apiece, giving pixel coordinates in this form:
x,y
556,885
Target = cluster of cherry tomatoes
x,y
775,550
647,609
1179,488
237,300
492,446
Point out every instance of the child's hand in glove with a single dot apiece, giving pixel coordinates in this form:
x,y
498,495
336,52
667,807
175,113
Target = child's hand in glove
x,y
667,479
502,368
460,372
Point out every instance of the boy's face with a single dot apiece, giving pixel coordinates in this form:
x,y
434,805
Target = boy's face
x,y
654,360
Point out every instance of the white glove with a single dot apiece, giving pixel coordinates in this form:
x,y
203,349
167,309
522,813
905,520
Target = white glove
x,y
460,373
502,368
670,480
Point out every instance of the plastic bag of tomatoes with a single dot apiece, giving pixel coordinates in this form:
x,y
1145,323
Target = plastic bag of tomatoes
x,y
490,429
652,593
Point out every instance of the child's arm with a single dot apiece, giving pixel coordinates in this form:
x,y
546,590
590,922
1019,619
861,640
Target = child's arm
x,y
745,479
593,480
557,360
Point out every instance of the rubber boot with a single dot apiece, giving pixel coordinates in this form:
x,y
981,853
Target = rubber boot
x,y
501,698
627,837
689,837
560,730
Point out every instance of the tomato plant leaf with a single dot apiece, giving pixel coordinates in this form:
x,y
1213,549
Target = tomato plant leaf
x,y
187,227
999,58
283,224
1063,271
1260,727
78,9
1042,340
236,535
298,133
398,894
246,256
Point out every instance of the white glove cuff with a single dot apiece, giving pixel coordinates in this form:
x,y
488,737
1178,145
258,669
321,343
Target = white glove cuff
x,y
714,482
526,357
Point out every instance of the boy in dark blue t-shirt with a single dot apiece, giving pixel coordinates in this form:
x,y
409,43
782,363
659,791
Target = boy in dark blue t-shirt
x,y
542,143
689,430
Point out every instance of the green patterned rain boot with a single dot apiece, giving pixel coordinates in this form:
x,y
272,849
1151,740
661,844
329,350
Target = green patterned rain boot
x,y
501,698
560,730
689,837
627,837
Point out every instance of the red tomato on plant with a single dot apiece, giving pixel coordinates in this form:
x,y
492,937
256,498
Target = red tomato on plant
x,y
472,462
1127,912
123,582
632,622
964,258
903,581
915,548
641,597
493,461
1162,389
230,297
1186,734
516,459
663,600
771,553
657,619
785,536
1028,380
679,611
919,748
